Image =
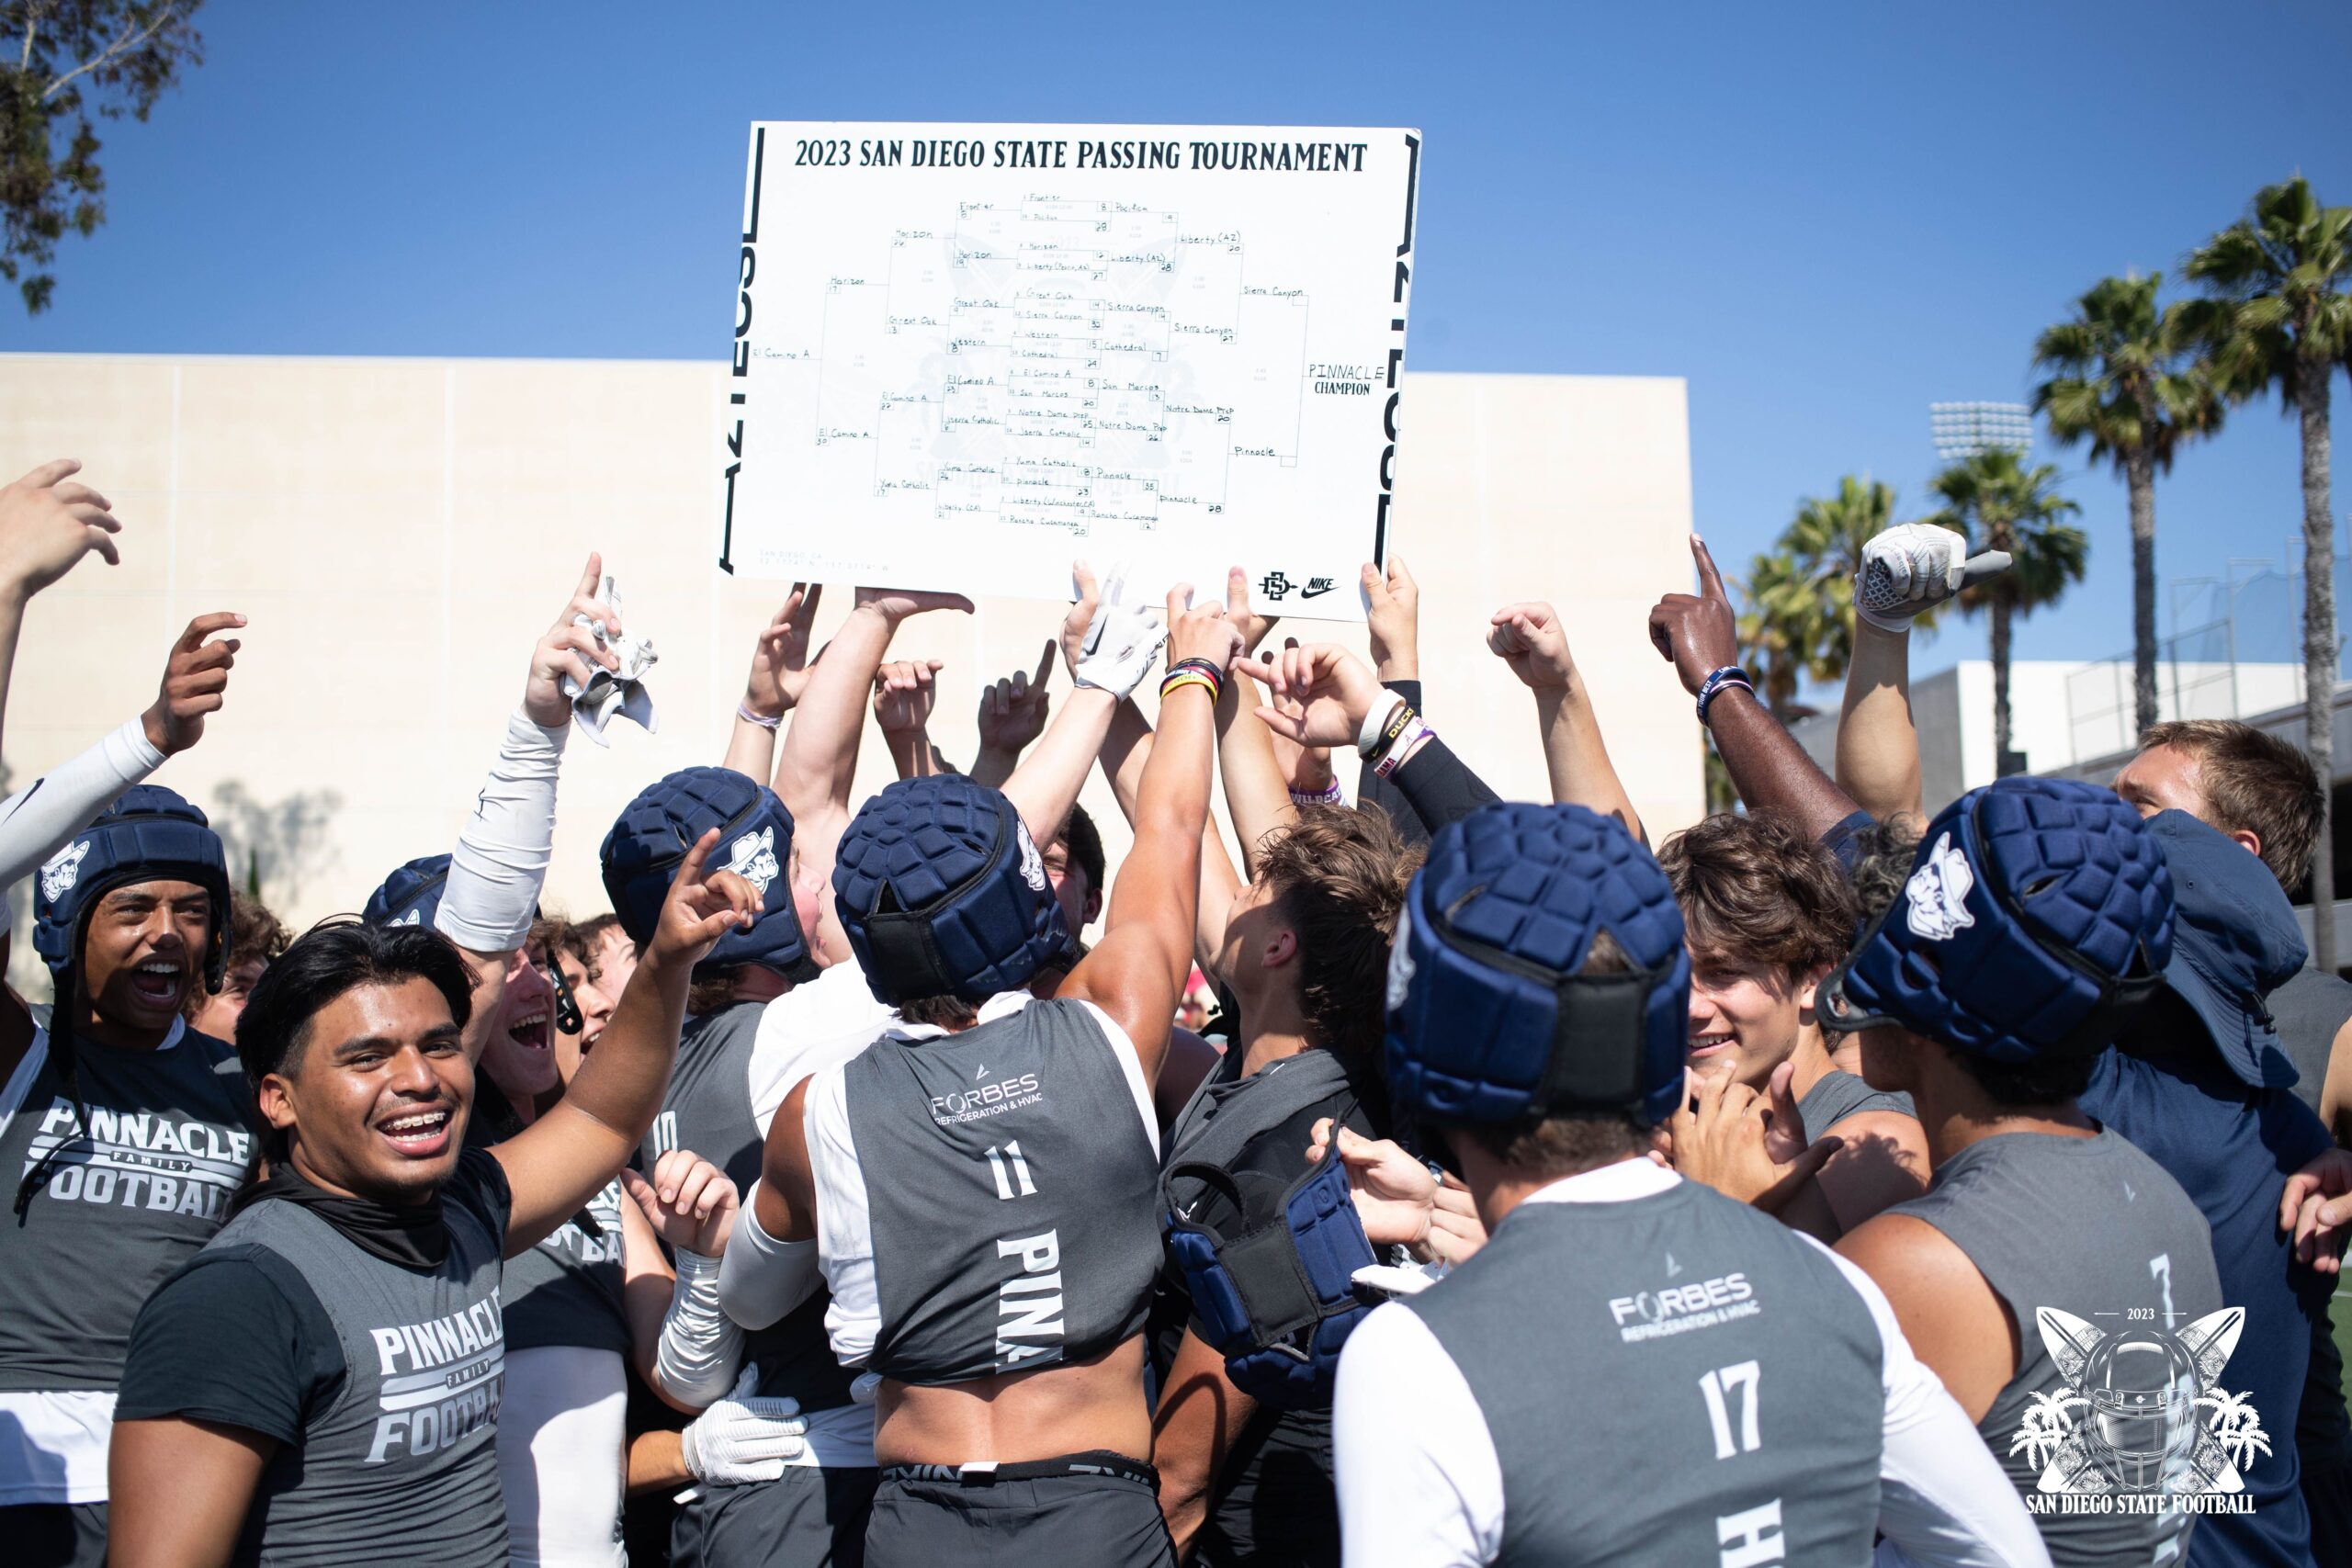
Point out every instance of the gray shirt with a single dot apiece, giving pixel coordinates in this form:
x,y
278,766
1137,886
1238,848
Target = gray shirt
x,y
1014,1223
708,1110
121,1200
1839,1094
1754,1367
378,1382
2107,1269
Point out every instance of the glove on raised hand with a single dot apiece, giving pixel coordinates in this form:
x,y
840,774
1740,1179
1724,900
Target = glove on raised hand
x,y
1914,566
742,1438
1122,642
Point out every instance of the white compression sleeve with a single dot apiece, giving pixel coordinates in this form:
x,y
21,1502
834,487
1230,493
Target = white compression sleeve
x,y
701,1347
501,860
36,822
761,1279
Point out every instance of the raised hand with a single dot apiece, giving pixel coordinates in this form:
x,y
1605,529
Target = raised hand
x,y
1013,708
47,524
1254,627
1393,617
571,648
903,694
1121,640
1081,618
1529,637
700,909
195,682
1912,568
895,604
1205,631
1698,634
1724,1135
690,1202
1330,691
780,658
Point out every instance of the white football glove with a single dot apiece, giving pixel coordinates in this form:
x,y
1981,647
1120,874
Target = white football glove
x,y
741,1438
1122,641
1913,567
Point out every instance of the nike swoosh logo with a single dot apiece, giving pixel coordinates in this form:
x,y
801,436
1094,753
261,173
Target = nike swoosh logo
x,y
1315,592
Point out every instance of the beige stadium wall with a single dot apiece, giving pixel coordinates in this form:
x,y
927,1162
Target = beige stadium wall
x,y
399,532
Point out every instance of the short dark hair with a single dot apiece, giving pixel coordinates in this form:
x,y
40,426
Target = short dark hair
x,y
2255,783
1085,841
1756,888
2046,1080
710,988
1545,1149
330,959
592,929
255,936
1882,864
1339,875
552,934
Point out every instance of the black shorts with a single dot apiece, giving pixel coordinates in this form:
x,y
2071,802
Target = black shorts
x,y
54,1535
809,1519
1087,1509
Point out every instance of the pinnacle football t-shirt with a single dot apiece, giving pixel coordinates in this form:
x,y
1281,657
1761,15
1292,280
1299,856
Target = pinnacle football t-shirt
x,y
379,1383
109,1198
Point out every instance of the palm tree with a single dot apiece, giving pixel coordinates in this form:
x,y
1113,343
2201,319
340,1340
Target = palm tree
x,y
1798,623
2000,505
2128,378
2278,318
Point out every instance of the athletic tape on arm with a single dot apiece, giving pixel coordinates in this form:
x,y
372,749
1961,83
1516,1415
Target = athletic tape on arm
x,y
501,860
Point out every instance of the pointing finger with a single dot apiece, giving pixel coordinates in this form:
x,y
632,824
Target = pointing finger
x,y
1711,581
690,867
49,473
1044,666
204,627
592,577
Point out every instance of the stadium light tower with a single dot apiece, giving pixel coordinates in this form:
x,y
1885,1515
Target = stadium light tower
x,y
1963,430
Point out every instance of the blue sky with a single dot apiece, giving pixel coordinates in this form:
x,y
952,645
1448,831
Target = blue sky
x,y
1823,218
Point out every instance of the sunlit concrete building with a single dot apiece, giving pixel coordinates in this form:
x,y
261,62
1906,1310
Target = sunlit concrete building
x,y
401,530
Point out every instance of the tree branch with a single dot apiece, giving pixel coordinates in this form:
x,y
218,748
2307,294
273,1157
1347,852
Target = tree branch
x,y
120,46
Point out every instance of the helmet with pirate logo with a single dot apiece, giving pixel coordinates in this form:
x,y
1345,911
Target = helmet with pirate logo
x,y
942,892
641,854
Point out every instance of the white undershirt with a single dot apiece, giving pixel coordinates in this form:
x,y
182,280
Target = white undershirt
x,y
1420,1485
53,1442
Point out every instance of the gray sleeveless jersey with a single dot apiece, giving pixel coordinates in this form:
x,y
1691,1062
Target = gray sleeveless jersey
x,y
121,1204
2088,1242
708,1110
1837,1095
400,1465
567,1290
1012,1187
1672,1379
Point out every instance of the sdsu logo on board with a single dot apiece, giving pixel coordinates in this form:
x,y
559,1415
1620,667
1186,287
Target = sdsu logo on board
x,y
752,858
2142,1423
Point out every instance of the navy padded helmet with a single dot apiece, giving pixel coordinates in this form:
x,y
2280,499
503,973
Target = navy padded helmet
x,y
942,893
410,896
1489,1021
654,831
149,834
2038,917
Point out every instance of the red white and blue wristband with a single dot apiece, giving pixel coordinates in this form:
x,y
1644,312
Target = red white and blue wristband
x,y
1717,681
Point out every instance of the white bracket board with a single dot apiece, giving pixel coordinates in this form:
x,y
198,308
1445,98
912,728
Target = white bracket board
x,y
965,354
